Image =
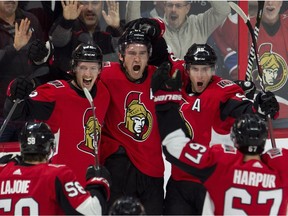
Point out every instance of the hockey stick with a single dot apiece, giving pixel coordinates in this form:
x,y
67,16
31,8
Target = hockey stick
x,y
254,47
246,19
256,32
90,99
39,72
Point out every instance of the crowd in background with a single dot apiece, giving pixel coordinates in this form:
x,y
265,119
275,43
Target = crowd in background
x,y
107,28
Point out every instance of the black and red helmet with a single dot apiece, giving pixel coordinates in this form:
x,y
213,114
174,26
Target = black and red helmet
x,y
36,138
87,53
249,134
127,205
134,36
200,54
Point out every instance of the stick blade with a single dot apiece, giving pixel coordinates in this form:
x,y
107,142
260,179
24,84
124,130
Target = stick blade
x,y
239,11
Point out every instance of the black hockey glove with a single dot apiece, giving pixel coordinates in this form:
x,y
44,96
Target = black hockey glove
x,y
266,104
20,88
98,180
39,51
248,87
153,27
8,158
164,87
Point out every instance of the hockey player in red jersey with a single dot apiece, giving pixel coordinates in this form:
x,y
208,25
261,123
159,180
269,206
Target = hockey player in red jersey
x,y
237,181
63,105
209,107
32,186
222,169
272,46
130,145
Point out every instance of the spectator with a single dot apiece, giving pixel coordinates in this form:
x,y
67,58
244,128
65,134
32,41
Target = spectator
x,y
45,11
130,143
63,105
210,105
182,30
155,12
272,48
127,205
17,29
30,185
80,23
229,173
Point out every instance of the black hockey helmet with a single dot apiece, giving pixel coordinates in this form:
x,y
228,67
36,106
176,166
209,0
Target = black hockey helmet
x,y
134,36
36,138
87,53
127,205
249,134
200,54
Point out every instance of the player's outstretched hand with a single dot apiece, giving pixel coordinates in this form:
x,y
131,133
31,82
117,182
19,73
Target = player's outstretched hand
x,y
20,88
10,157
267,104
99,179
39,51
164,87
153,27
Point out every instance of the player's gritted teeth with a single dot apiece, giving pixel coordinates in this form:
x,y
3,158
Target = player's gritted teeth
x,y
136,67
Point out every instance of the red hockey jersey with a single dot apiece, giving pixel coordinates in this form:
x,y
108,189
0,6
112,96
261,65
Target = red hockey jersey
x,y
130,121
272,48
273,57
69,114
207,121
235,187
43,189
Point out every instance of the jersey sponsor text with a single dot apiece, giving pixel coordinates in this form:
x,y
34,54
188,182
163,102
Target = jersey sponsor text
x,y
168,97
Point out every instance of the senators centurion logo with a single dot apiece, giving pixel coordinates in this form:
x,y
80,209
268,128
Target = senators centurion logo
x,y
90,138
274,68
137,122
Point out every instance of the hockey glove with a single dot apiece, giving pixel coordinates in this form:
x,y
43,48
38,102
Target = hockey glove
x,y
164,87
20,88
10,157
98,180
153,27
266,104
248,87
39,51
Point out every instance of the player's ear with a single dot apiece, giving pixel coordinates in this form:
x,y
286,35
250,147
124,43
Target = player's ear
x,y
120,56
